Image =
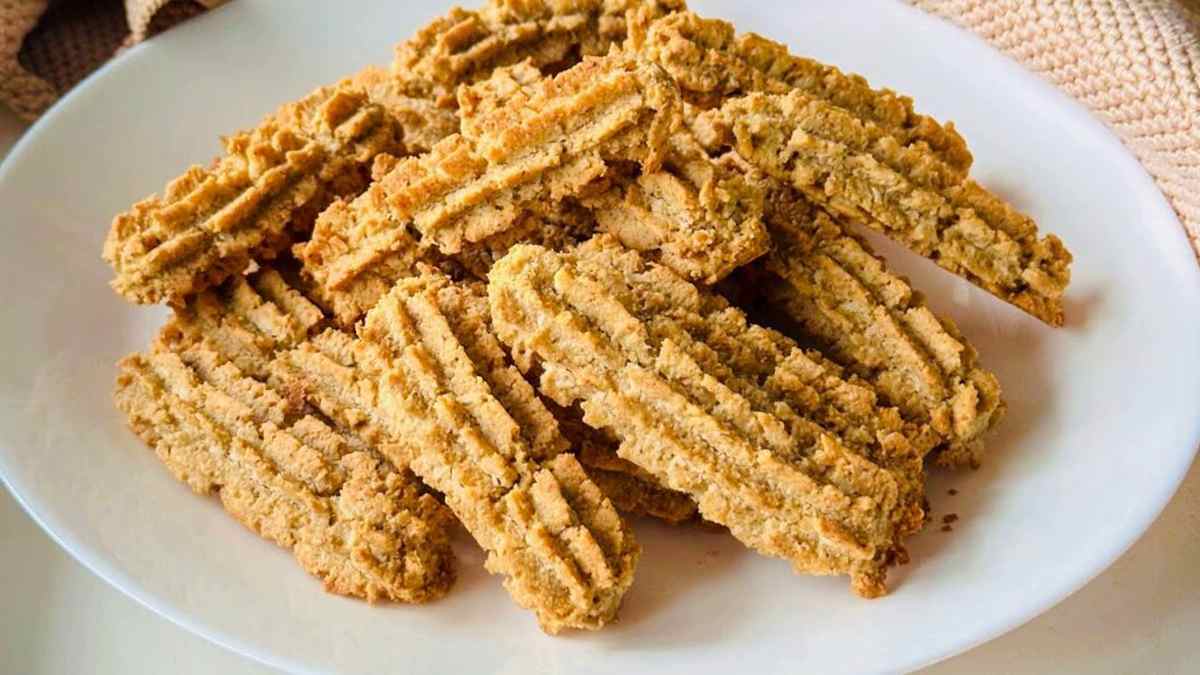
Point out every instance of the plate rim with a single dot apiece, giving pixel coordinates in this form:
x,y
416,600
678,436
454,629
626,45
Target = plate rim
x,y
96,563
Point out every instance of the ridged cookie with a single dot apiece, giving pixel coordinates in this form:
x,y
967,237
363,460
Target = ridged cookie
x,y
717,408
860,170
428,383
712,63
365,528
535,150
697,215
465,46
870,320
631,489
212,221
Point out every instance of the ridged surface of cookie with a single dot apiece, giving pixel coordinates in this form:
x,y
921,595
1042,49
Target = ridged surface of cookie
x,y
716,408
711,62
465,46
696,214
247,320
871,321
536,149
857,169
212,221
558,225
351,519
422,121
434,378
633,490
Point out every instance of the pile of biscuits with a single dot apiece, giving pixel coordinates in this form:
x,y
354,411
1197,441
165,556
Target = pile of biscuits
x,y
506,282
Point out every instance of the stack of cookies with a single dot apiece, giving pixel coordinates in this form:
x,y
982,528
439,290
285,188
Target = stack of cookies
x,y
506,281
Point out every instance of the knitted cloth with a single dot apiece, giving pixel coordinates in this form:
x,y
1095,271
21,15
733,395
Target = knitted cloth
x,y
1135,63
47,46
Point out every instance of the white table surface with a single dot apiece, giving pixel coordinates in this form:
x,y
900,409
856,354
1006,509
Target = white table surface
x,y
1141,616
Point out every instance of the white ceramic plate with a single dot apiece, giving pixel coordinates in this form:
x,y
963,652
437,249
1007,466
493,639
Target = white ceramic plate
x,y
1102,425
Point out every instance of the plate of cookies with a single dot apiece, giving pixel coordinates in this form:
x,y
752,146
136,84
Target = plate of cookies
x,y
589,335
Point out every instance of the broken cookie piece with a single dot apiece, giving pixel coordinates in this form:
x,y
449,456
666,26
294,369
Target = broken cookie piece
x,y
701,217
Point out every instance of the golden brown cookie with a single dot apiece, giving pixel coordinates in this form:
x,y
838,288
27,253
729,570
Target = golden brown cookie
x,y
696,215
429,384
858,170
631,489
421,119
465,46
247,319
365,528
699,216
537,149
833,288
212,221
712,63
772,442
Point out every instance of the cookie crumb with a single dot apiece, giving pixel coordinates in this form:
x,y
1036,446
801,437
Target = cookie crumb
x,y
949,518
947,528
951,492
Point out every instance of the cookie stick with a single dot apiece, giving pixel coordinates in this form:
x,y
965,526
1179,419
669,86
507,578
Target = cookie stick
x,y
857,169
210,222
468,189
711,63
445,401
871,321
563,549
362,527
589,319
251,320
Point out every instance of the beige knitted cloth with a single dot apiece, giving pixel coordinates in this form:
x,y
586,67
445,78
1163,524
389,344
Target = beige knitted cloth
x,y
47,46
1135,63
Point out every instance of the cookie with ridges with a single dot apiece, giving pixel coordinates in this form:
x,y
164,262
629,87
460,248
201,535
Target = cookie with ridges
x,y
211,222
860,171
537,149
839,294
365,528
712,62
715,407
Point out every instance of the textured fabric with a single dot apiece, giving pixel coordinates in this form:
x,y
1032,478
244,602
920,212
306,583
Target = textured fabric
x,y
1135,63
72,39
46,47
21,90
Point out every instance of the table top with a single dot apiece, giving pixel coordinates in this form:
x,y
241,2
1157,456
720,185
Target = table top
x,y
1141,615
